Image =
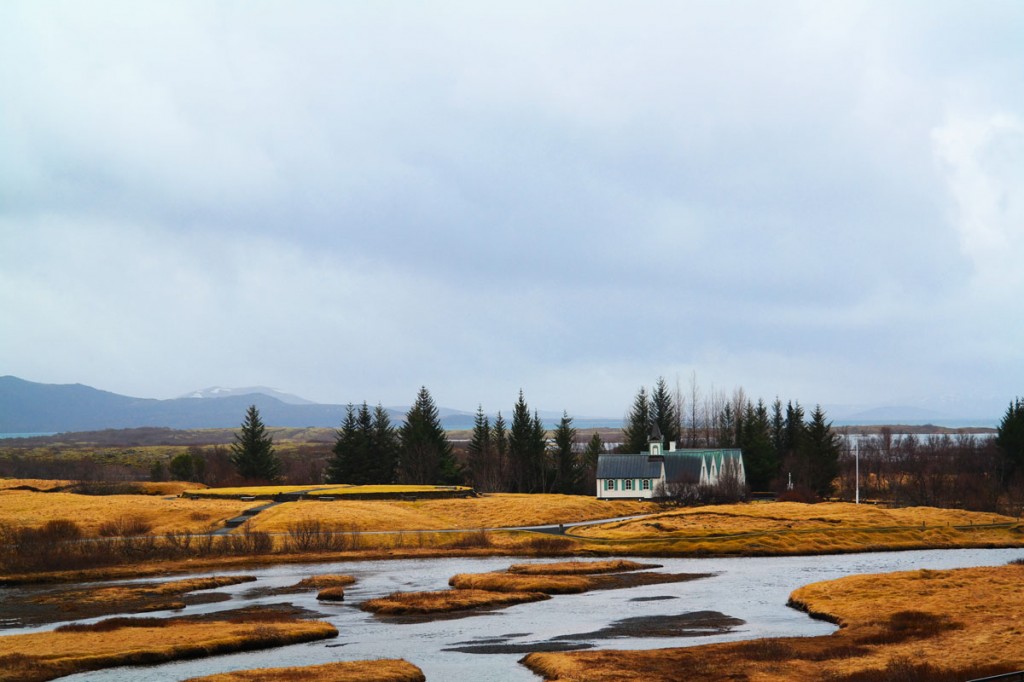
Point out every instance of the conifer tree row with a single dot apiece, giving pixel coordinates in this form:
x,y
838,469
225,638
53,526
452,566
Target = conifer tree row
x,y
365,449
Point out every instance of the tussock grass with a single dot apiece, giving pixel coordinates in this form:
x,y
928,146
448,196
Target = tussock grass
x,y
331,594
446,601
511,582
47,655
908,626
580,567
383,670
316,582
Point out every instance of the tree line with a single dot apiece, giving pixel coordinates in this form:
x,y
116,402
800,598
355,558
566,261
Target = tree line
x,y
781,446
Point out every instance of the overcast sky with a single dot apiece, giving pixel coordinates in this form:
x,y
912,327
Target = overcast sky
x,y
349,200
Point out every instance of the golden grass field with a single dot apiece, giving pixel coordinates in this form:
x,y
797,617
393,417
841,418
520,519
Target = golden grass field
x,y
950,625
794,528
90,512
46,655
37,483
445,601
488,511
332,490
381,670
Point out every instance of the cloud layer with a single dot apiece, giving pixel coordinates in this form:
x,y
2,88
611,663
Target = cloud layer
x,y
349,200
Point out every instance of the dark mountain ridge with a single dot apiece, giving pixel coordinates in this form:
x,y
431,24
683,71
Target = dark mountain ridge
x,y
29,407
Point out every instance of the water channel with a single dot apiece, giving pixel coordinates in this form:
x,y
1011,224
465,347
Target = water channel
x,y
752,589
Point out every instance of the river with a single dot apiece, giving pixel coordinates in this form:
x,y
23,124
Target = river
x,y
752,589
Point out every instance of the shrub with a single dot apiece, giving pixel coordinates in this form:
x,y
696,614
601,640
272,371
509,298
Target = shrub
x,y
125,526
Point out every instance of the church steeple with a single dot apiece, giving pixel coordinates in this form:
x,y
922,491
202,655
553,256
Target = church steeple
x,y
654,442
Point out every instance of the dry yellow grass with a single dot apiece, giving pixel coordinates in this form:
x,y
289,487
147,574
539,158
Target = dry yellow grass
x,y
391,489
950,624
445,601
316,582
511,582
136,593
580,567
168,487
28,509
785,516
249,491
331,594
46,655
793,528
382,670
488,511
37,483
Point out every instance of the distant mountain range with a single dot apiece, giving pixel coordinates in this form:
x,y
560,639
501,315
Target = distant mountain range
x,y
28,407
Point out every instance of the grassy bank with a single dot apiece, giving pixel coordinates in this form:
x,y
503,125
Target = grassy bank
x,y
446,601
789,528
382,670
918,625
142,641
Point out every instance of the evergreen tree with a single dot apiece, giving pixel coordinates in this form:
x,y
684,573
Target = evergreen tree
x,y
794,461
499,435
567,465
253,453
519,439
425,454
540,473
727,427
594,450
637,431
527,445
759,457
778,428
346,466
383,451
663,412
1010,439
480,452
822,446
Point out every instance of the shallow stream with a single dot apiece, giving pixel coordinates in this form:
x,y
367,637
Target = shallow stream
x,y
752,590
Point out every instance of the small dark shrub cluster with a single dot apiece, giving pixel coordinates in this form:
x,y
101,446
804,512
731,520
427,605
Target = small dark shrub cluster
x,y
549,545
114,623
124,526
907,625
902,669
799,494
767,650
471,540
311,535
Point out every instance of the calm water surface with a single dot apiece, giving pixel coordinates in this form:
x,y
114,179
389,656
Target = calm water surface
x,y
752,589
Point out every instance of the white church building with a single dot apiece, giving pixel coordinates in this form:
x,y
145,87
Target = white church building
x,y
649,475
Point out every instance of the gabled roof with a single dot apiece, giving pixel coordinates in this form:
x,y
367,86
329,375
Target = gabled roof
x,y
627,466
682,468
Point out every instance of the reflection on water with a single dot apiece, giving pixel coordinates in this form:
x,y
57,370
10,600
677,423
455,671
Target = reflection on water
x,y
752,590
